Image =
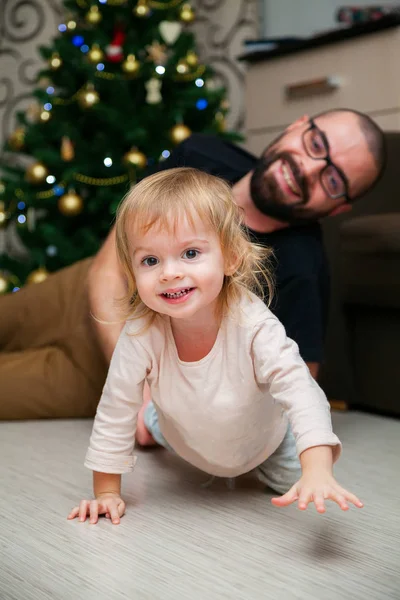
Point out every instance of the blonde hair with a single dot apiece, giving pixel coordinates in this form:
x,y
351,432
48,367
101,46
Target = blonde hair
x,y
163,199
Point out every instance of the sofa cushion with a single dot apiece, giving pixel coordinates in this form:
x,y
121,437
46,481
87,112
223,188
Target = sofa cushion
x,y
372,234
370,260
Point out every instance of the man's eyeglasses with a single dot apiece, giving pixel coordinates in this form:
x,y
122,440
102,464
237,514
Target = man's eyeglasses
x,y
333,180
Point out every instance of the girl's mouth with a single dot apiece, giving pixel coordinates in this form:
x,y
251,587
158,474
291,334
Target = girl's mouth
x,y
177,297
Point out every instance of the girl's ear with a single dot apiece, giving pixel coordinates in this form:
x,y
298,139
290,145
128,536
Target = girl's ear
x,y
231,265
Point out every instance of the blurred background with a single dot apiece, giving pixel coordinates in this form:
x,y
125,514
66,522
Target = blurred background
x,y
92,93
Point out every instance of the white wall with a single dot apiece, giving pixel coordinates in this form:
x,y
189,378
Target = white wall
x,y
306,17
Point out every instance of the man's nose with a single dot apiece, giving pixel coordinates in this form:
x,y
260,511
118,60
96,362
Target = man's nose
x,y
311,173
171,269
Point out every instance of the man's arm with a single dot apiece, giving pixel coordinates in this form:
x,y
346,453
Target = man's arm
x,y
106,279
106,283
314,368
299,308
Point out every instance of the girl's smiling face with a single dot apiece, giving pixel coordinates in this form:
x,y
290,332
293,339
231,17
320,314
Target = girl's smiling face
x,y
178,273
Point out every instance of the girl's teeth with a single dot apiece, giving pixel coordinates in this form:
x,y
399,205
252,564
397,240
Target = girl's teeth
x,y
177,295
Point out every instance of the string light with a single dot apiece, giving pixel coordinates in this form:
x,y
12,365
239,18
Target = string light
x,y
78,40
58,190
62,27
50,90
21,205
201,104
51,250
108,162
100,67
199,82
160,70
84,48
21,219
50,179
165,153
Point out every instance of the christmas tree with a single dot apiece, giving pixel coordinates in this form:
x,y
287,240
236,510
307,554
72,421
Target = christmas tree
x,y
121,87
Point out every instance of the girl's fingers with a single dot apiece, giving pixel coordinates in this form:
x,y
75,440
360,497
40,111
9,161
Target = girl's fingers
x,y
352,498
94,511
319,502
337,497
288,498
305,497
83,509
113,508
74,513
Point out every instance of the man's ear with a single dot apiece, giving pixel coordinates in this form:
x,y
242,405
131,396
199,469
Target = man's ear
x,y
298,123
339,210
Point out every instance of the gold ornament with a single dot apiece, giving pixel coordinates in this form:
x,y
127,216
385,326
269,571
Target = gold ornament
x,y
141,9
187,13
192,59
156,52
33,112
71,25
36,173
4,283
88,96
45,116
67,149
182,67
220,121
70,204
179,133
130,65
94,16
3,215
55,61
16,140
135,158
38,276
95,54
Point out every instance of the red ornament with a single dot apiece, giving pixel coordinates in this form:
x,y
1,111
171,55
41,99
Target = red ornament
x,y
114,50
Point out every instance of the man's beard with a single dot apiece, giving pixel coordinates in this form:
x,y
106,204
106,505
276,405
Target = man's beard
x,y
268,196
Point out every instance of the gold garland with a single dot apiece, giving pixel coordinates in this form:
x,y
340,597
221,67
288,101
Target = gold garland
x,y
45,195
63,102
191,76
163,5
151,3
106,75
100,180
86,4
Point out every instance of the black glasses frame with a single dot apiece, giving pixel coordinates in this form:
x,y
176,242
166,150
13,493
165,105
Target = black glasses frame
x,y
328,160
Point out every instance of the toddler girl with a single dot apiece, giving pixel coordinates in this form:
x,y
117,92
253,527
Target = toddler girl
x,y
229,390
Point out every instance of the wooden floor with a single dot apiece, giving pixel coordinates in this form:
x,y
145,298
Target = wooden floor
x,y
180,541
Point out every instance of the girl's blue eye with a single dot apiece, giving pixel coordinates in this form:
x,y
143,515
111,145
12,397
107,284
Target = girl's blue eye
x,y
191,253
150,261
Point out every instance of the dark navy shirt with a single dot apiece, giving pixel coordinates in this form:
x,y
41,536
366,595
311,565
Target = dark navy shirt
x,y
301,269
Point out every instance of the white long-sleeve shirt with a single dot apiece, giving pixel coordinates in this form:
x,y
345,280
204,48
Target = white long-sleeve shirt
x,y
225,413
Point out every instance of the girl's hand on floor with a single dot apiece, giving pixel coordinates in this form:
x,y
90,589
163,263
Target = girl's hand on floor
x,y
317,487
110,505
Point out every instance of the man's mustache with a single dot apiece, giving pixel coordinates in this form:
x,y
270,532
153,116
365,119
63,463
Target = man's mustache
x,y
270,157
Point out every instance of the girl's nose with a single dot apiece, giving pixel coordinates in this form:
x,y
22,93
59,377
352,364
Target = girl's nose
x,y
170,271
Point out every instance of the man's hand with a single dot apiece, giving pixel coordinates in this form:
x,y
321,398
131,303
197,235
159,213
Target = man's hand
x,y
317,486
109,504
